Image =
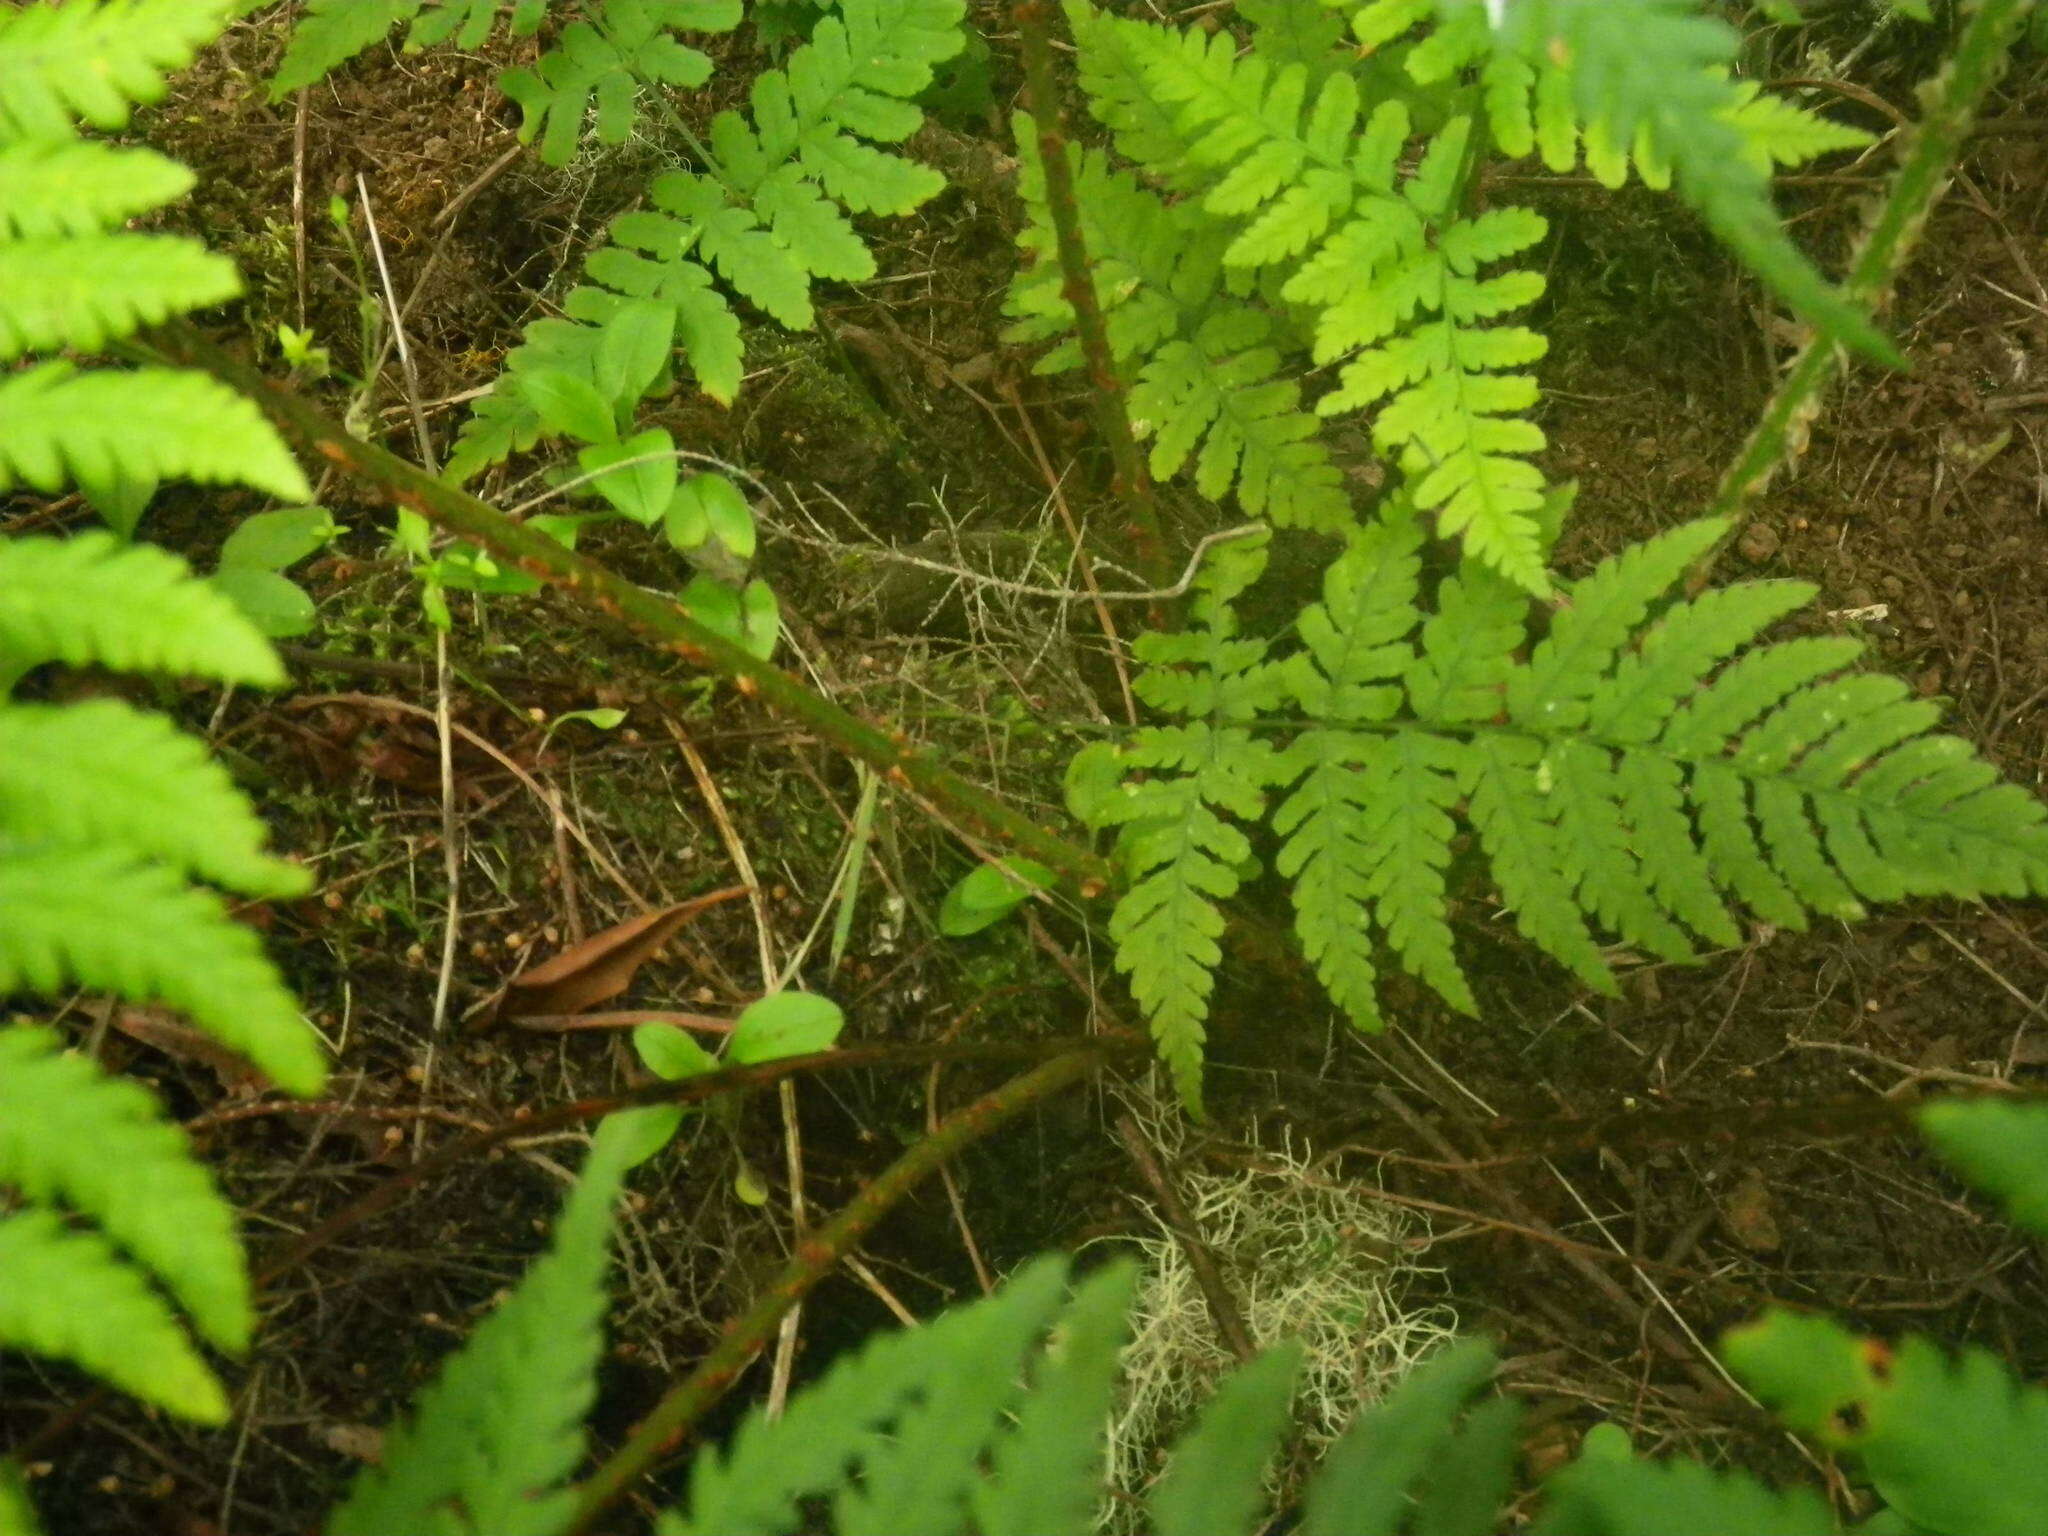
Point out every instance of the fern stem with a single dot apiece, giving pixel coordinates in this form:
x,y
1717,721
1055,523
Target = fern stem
x,y
1951,100
649,613
1133,483
816,1257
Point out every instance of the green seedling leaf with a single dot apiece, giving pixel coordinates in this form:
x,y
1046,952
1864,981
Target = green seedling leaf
x,y
671,1053
568,406
710,505
760,619
634,348
749,1186
988,894
270,541
563,527
646,1130
714,605
785,1024
465,568
602,719
275,604
642,490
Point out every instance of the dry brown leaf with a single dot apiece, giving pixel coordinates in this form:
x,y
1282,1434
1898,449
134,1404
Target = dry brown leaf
x,y
601,967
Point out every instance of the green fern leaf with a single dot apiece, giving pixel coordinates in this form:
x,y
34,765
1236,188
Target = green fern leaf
x,y
69,1296
101,1146
1210,386
330,33
760,212
132,607
99,772
94,918
1597,1497
1177,839
831,1428
1213,1484
76,187
84,291
2000,1148
93,60
489,1446
469,22
1045,1473
1926,1426
1363,1485
151,423
1657,66
17,1514
915,1481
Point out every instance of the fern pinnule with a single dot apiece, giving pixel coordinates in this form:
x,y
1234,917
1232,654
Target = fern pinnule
x,y
98,428
94,59
77,187
490,1444
93,600
1214,1479
151,789
101,1147
1673,1498
80,291
1044,1473
2000,1148
96,918
70,1296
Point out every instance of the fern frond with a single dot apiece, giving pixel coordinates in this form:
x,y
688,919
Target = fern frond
x,y
1596,1497
2000,1148
918,1477
1657,69
1295,178
70,1296
96,428
94,60
1214,1483
85,290
752,1488
1647,767
331,32
100,772
95,918
93,600
1366,1478
1045,1472
1208,380
489,1446
101,1146
77,187
1925,1425
767,213
604,60
1176,794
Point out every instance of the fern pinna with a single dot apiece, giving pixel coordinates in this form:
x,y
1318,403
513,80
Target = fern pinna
x,y
764,211
1645,768
1302,197
109,816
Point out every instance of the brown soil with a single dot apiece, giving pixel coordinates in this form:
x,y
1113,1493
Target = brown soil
x,y
1918,513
